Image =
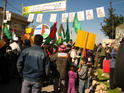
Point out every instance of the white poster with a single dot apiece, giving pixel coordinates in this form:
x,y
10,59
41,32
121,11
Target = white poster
x,y
100,12
80,15
71,16
8,16
89,14
39,18
30,17
53,18
64,17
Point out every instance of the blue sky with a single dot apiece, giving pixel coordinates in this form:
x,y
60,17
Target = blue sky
x,y
92,26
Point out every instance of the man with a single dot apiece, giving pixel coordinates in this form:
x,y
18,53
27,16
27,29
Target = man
x,y
33,64
101,54
61,59
119,67
112,64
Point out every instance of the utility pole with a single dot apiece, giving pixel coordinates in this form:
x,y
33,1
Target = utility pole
x,y
112,20
4,16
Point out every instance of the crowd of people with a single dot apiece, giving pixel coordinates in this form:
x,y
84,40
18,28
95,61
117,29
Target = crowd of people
x,y
64,66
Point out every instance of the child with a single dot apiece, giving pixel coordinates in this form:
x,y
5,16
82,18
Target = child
x,y
72,76
83,74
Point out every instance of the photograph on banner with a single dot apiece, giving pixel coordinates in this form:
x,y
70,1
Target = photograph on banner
x,y
89,14
64,17
80,15
53,17
39,18
30,17
71,16
42,29
100,12
81,38
43,8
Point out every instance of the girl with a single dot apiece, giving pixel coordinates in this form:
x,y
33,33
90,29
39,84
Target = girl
x,y
72,76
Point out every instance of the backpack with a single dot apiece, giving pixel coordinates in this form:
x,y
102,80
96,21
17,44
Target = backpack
x,y
83,73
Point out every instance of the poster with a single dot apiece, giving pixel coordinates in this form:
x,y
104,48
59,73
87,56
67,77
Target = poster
x,y
71,16
81,38
80,15
30,17
53,18
64,17
100,12
39,18
89,14
28,30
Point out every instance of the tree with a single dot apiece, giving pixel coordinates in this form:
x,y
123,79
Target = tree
x,y
109,25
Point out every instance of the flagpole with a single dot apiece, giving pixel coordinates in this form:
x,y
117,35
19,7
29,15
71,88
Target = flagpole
x,y
4,16
22,7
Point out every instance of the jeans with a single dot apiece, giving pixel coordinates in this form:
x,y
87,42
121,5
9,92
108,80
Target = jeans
x,y
56,84
31,87
81,86
62,86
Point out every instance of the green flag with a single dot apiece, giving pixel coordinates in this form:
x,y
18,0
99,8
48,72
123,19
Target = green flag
x,y
60,34
67,33
6,32
76,24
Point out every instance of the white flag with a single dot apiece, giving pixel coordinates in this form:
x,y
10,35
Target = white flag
x,y
80,15
39,18
100,12
30,17
71,16
89,14
53,17
64,17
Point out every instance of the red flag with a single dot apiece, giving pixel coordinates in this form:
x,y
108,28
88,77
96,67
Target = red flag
x,y
53,32
43,30
85,54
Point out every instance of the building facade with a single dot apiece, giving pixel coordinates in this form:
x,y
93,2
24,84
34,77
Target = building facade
x,y
17,22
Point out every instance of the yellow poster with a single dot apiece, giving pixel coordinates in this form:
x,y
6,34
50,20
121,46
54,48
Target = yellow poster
x,y
91,41
81,40
28,30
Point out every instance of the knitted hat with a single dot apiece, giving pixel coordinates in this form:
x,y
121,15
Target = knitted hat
x,y
62,48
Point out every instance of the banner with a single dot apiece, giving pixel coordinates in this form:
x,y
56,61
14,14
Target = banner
x,y
89,14
81,38
64,17
47,7
30,17
39,18
80,15
53,18
100,12
71,16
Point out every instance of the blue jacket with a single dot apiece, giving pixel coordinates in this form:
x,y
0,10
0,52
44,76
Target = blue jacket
x,y
33,63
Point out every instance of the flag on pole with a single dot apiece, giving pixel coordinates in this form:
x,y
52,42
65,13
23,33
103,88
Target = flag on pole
x,y
13,34
61,32
43,30
52,34
67,33
6,32
76,24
